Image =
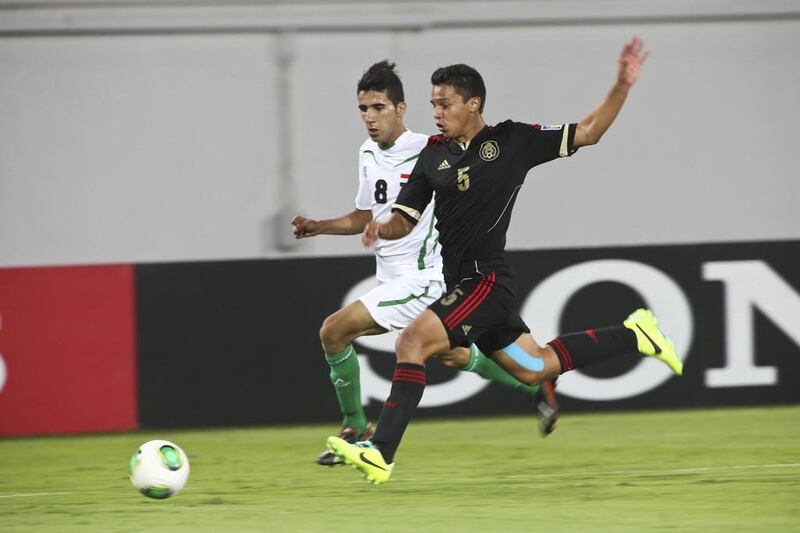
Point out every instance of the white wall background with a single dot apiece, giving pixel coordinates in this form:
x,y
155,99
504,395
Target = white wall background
x,y
133,132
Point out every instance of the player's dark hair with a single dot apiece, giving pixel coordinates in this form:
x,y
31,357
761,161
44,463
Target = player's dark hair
x,y
382,77
466,81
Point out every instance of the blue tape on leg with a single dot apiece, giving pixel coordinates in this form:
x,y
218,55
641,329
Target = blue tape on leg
x,y
523,358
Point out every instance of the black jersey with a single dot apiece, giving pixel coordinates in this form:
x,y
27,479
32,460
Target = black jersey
x,y
476,187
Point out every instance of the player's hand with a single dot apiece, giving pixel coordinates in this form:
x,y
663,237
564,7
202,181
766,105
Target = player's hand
x,y
371,233
304,227
631,60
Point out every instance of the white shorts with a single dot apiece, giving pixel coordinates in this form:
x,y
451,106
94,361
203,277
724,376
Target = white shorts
x,y
394,304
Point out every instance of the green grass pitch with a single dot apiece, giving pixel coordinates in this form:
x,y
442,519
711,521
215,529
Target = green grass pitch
x,y
693,470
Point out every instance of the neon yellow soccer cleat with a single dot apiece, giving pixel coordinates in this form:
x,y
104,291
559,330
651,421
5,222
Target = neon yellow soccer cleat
x,y
363,456
651,340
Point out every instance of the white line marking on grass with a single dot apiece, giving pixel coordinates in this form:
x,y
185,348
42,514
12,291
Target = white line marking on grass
x,y
33,494
692,470
585,473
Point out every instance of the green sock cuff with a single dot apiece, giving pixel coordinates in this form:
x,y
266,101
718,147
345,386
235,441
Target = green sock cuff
x,y
474,358
337,359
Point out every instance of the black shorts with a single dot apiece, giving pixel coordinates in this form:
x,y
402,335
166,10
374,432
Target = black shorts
x,y
480,307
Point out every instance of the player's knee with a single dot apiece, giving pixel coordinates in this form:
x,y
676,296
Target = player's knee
x,y
404,346
325,331
331,334
409,348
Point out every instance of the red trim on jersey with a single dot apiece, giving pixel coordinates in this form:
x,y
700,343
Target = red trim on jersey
x,y
534,126
435,139
404,177
592,335
471,303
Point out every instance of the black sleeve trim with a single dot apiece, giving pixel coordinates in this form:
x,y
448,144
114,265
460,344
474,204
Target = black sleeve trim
x,y
406,212
571,139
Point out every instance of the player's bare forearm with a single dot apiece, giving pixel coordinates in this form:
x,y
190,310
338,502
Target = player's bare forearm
x,y
591,129
395,228
350,224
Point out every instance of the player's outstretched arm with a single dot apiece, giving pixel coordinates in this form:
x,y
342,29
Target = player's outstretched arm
x,y
396,227
349,224
591,128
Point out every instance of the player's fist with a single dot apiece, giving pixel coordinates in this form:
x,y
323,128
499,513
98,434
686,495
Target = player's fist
x,y
371,233
631,60
304,227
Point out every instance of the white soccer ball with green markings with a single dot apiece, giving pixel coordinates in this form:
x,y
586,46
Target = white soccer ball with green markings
x,y
159,469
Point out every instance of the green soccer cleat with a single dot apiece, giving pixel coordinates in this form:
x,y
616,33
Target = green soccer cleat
x,y
651,341
363,456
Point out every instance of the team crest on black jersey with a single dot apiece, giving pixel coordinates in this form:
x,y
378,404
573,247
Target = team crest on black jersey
x,y
489,150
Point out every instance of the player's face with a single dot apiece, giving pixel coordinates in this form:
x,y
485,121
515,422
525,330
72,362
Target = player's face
x,y
452,115
384,120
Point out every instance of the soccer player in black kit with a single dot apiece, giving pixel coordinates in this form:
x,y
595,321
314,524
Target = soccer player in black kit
x,y
476,171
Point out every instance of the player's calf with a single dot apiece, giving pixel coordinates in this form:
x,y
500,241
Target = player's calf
x,y
532,365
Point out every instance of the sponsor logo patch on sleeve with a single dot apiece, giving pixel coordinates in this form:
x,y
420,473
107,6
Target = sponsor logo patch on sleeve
x,y
552,127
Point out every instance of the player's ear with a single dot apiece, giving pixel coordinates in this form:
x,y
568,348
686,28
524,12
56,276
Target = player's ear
x,y
401,109
474,104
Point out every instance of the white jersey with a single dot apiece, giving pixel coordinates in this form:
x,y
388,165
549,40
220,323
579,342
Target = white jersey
x,y
381,174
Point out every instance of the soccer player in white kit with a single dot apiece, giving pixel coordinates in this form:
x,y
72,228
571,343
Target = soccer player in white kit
x,y
409,270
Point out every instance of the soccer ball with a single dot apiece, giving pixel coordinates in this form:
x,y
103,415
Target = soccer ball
x,y
159,469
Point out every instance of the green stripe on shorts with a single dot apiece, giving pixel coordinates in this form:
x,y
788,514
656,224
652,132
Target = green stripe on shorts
x,y
389,303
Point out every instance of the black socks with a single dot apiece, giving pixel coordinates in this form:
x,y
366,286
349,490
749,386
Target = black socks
x,y
408,385
576,350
